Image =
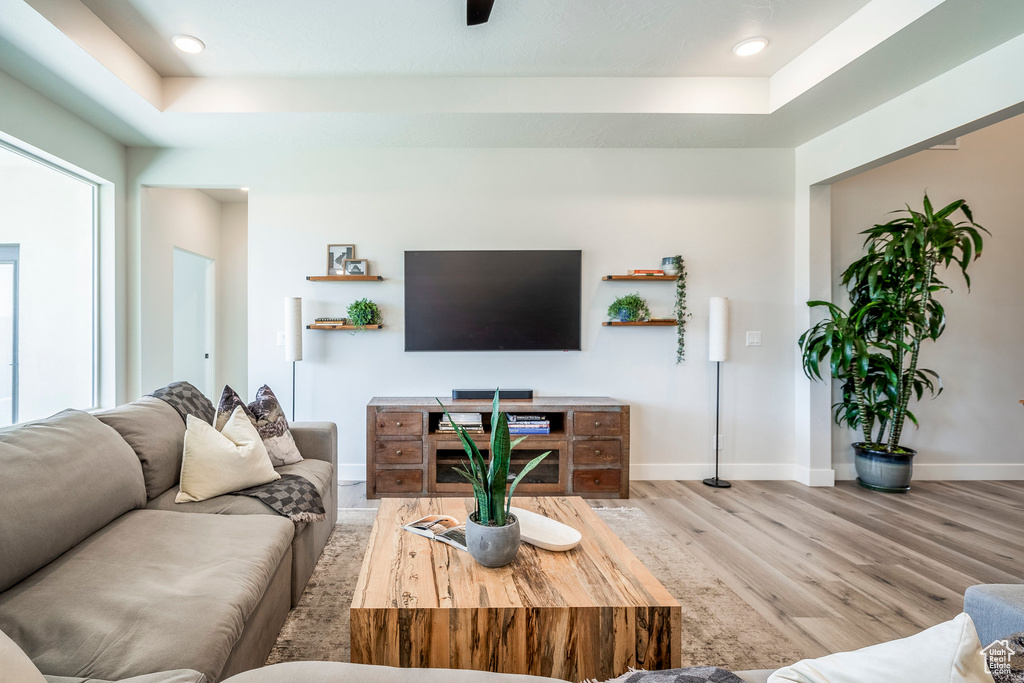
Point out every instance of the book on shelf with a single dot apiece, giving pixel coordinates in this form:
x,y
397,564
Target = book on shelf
x,y
527,418
443,528
468,430
330,321
529,430
460,418
645,272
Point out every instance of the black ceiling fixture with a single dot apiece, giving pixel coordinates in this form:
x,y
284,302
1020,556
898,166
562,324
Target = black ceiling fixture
x,y
478,11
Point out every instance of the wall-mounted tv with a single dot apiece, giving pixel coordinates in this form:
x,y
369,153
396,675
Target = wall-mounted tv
x,y
492,300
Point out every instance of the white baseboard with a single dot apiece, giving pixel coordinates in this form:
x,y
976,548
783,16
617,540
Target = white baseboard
x,y
689,471
815,477
783,472
952,472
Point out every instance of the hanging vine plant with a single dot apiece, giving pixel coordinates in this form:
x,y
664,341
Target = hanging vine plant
x,y
680,308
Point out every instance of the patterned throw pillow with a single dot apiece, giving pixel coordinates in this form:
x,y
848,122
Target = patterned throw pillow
x,y
273,427
268,417
229,400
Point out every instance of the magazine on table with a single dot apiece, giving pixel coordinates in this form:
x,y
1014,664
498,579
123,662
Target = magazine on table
x,y
444,528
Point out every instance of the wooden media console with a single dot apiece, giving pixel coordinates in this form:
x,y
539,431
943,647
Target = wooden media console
x,y
407,455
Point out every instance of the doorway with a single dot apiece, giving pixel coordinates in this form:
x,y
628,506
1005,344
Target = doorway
x,y
8,334
194,320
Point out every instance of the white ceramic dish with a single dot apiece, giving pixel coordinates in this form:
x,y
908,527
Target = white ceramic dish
x,y
545,532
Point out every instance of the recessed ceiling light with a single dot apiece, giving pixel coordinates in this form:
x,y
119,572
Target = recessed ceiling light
x,y
189,44
750,46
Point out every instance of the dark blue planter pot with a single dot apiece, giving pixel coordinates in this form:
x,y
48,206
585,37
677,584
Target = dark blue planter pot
x,y
880,470
624,316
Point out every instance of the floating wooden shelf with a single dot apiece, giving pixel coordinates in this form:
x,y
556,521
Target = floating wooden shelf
x,y
344,278
641,323
343,327
636,278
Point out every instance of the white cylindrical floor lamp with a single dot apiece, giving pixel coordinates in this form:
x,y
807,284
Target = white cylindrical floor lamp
x,y
293,337
718,353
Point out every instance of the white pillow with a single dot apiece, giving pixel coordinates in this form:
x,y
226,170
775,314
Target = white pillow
x,y
215,463
947,653
15,666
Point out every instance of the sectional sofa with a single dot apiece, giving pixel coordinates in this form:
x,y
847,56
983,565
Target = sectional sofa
x,y
103,577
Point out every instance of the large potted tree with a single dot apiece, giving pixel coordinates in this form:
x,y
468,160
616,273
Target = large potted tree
x,y
873,347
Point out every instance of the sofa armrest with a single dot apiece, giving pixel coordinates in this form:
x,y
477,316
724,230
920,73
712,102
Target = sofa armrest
x,y
317,441
997,610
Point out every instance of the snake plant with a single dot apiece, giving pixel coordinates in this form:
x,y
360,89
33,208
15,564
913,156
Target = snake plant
x,y
491,488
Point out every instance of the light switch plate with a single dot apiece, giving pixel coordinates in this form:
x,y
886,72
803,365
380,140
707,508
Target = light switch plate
x,y
280,338
753,338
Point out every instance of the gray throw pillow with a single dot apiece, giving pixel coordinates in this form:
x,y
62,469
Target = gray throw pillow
x,y
267,415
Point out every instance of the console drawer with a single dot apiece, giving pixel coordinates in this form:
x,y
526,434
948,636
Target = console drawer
x,y
597,424
399,481
596,480
399,424
597,453
399,452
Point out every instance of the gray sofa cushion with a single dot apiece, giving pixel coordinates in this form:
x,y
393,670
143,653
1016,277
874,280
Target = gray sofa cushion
x,y
152,591
179,676
156,433
317,471
337,672
61,479
997,610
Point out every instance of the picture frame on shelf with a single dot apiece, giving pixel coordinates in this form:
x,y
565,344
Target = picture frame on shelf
x,y
337,254
356,266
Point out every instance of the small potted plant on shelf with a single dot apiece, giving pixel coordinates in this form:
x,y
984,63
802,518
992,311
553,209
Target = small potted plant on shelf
x,y
364,312
874,346
492,531
629,309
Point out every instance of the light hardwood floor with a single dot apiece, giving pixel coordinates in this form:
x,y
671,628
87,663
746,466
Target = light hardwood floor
x,y
838,568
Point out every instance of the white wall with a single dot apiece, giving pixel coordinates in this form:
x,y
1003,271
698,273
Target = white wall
x,y
974,430
50,216
190,220
30,121
729,212
232,361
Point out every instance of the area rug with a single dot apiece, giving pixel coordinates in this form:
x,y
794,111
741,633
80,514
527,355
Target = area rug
x,y
718,627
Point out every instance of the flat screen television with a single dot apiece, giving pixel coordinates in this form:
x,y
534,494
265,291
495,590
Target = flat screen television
x,y
492,300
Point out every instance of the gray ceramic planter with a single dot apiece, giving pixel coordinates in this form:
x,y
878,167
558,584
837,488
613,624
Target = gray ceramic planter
x,y
883,471
493,546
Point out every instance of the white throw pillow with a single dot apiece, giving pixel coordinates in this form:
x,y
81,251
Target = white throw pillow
x,y
215,463
947,653
15,666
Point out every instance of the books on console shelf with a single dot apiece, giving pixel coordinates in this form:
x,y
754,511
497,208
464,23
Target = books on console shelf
x,y
527,418
645,272
528,430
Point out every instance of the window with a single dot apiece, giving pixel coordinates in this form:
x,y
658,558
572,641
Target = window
x,y
47,289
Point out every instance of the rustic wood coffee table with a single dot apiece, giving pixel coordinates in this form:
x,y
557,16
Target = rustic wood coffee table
x,y
591,612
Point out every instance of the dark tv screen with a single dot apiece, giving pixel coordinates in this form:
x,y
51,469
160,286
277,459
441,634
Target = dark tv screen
x,y
492,300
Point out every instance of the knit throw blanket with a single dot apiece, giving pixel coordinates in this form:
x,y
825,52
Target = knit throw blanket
x,y
698,674
291,496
